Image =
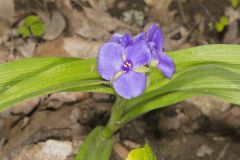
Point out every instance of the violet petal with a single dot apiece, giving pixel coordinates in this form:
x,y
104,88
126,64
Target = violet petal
x,y
139,37
155,35
166,65
154,53
123,39
131,84
110,60
138,54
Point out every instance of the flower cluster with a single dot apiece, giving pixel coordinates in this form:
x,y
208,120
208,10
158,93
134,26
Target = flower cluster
x,y
123,58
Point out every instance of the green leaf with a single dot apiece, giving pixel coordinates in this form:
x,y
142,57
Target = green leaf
x,y
224,20
32,20
31,77
37,29
24,31
222,24
205,70
149,154
32,25
96,146
219,27
235,3
145,153
200,71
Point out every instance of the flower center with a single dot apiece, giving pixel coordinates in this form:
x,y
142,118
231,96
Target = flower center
x,y
127,65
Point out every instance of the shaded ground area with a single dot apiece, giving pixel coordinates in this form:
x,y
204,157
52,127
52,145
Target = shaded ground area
x,y
53,126
190,130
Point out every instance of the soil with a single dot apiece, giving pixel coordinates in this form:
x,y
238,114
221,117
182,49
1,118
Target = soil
x,y
202,128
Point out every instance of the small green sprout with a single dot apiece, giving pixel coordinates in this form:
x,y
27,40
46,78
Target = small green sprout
x,y
32,25
235,3
145,153
221,24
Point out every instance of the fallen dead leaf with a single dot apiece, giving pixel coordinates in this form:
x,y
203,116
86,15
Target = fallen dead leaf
x,y
81,48
79,24
7,9
55,26
92,24
69,47
51,48
131,144
120,150
107,22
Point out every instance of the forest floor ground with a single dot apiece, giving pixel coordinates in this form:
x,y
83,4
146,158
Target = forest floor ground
x,y
53,126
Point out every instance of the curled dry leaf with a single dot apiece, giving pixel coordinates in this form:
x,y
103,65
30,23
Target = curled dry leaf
x,y
107,22
79,24
131,144
55,26
92,24
81,48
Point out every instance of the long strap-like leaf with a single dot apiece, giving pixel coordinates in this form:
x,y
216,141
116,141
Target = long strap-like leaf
x,y
212,69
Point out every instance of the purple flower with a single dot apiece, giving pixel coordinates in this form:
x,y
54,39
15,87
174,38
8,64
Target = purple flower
x,y
123,39
118,61
154,39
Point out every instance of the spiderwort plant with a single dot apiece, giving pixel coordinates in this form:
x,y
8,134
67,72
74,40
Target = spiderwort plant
x,y
123,60
154,40
119,64
137,71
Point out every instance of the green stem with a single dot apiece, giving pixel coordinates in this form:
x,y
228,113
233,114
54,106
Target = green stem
x,y
116,114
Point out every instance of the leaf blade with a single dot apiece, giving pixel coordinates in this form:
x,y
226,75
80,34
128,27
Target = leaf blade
x,y
96,146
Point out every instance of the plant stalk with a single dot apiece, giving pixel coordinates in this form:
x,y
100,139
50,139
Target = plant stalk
x,y
116,114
